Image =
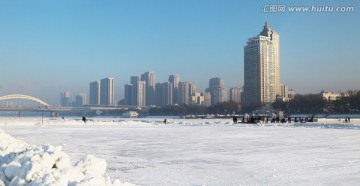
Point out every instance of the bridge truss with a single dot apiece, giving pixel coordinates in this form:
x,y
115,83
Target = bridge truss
x,y
20,100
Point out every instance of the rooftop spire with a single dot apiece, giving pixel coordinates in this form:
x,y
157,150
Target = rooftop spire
x,y
267,26
266,31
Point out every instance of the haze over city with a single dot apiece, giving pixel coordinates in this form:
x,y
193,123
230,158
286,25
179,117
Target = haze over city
x,y
47,47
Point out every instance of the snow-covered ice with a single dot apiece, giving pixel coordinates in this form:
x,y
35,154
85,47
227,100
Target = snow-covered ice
x,y
201,152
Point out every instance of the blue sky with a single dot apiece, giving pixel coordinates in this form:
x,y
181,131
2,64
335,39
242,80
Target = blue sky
x,y
47,47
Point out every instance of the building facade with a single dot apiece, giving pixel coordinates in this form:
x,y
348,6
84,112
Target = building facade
x,y
291,94
133,82
140,94
284,92
175,79
164,94
134,79
235,94
217,90
65,99
129,94
94,96
219,95
192,89
184,92
332,96
107,92
196,99
149,78
80,100
207,99
262,67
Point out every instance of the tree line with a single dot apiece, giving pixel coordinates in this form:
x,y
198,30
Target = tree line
x,y
315,104
300,104
229,107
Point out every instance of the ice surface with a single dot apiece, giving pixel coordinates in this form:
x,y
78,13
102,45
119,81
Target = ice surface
x,y
204,152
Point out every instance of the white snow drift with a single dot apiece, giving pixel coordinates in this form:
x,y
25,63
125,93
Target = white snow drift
x,y
23,164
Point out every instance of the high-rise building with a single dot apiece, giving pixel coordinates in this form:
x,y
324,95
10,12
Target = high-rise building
x,y
164,93
217,90
129,94
207,99
192,89
140,94
133,81
168,94
80,100
149,78
184,92
94,96
216,82
107,92
235,94
65,99
262,67
175,79
159,94
219,95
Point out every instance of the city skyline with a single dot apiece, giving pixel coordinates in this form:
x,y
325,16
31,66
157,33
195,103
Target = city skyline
x,y
49,47
136,93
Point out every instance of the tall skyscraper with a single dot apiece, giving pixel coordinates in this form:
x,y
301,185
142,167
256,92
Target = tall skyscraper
x,y
192,89
65,99
94,97
217,90
184,92
235,94
133,81
159,94
216,82
262,68
219,95
149,78
140,94
107,92
164,93
175,79
129,94
207,99
168,94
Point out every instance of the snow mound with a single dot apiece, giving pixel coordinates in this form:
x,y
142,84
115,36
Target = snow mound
x,y
23,164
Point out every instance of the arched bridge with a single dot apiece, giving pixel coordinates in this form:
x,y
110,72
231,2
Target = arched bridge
x,y
23,97
23,103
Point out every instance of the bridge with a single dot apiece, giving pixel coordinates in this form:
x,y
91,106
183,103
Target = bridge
x,y
24,103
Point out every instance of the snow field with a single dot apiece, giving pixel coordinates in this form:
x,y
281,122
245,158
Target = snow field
x,y
206,152
23,164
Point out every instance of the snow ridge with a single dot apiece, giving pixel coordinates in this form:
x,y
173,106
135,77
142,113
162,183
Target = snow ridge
x,y
23,164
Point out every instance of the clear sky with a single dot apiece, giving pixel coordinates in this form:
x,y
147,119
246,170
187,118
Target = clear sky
x,y
50,46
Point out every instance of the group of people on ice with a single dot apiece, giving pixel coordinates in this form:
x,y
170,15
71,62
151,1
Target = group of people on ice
x,y
347,120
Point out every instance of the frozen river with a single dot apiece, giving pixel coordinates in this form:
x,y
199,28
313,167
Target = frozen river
x,y
208,153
